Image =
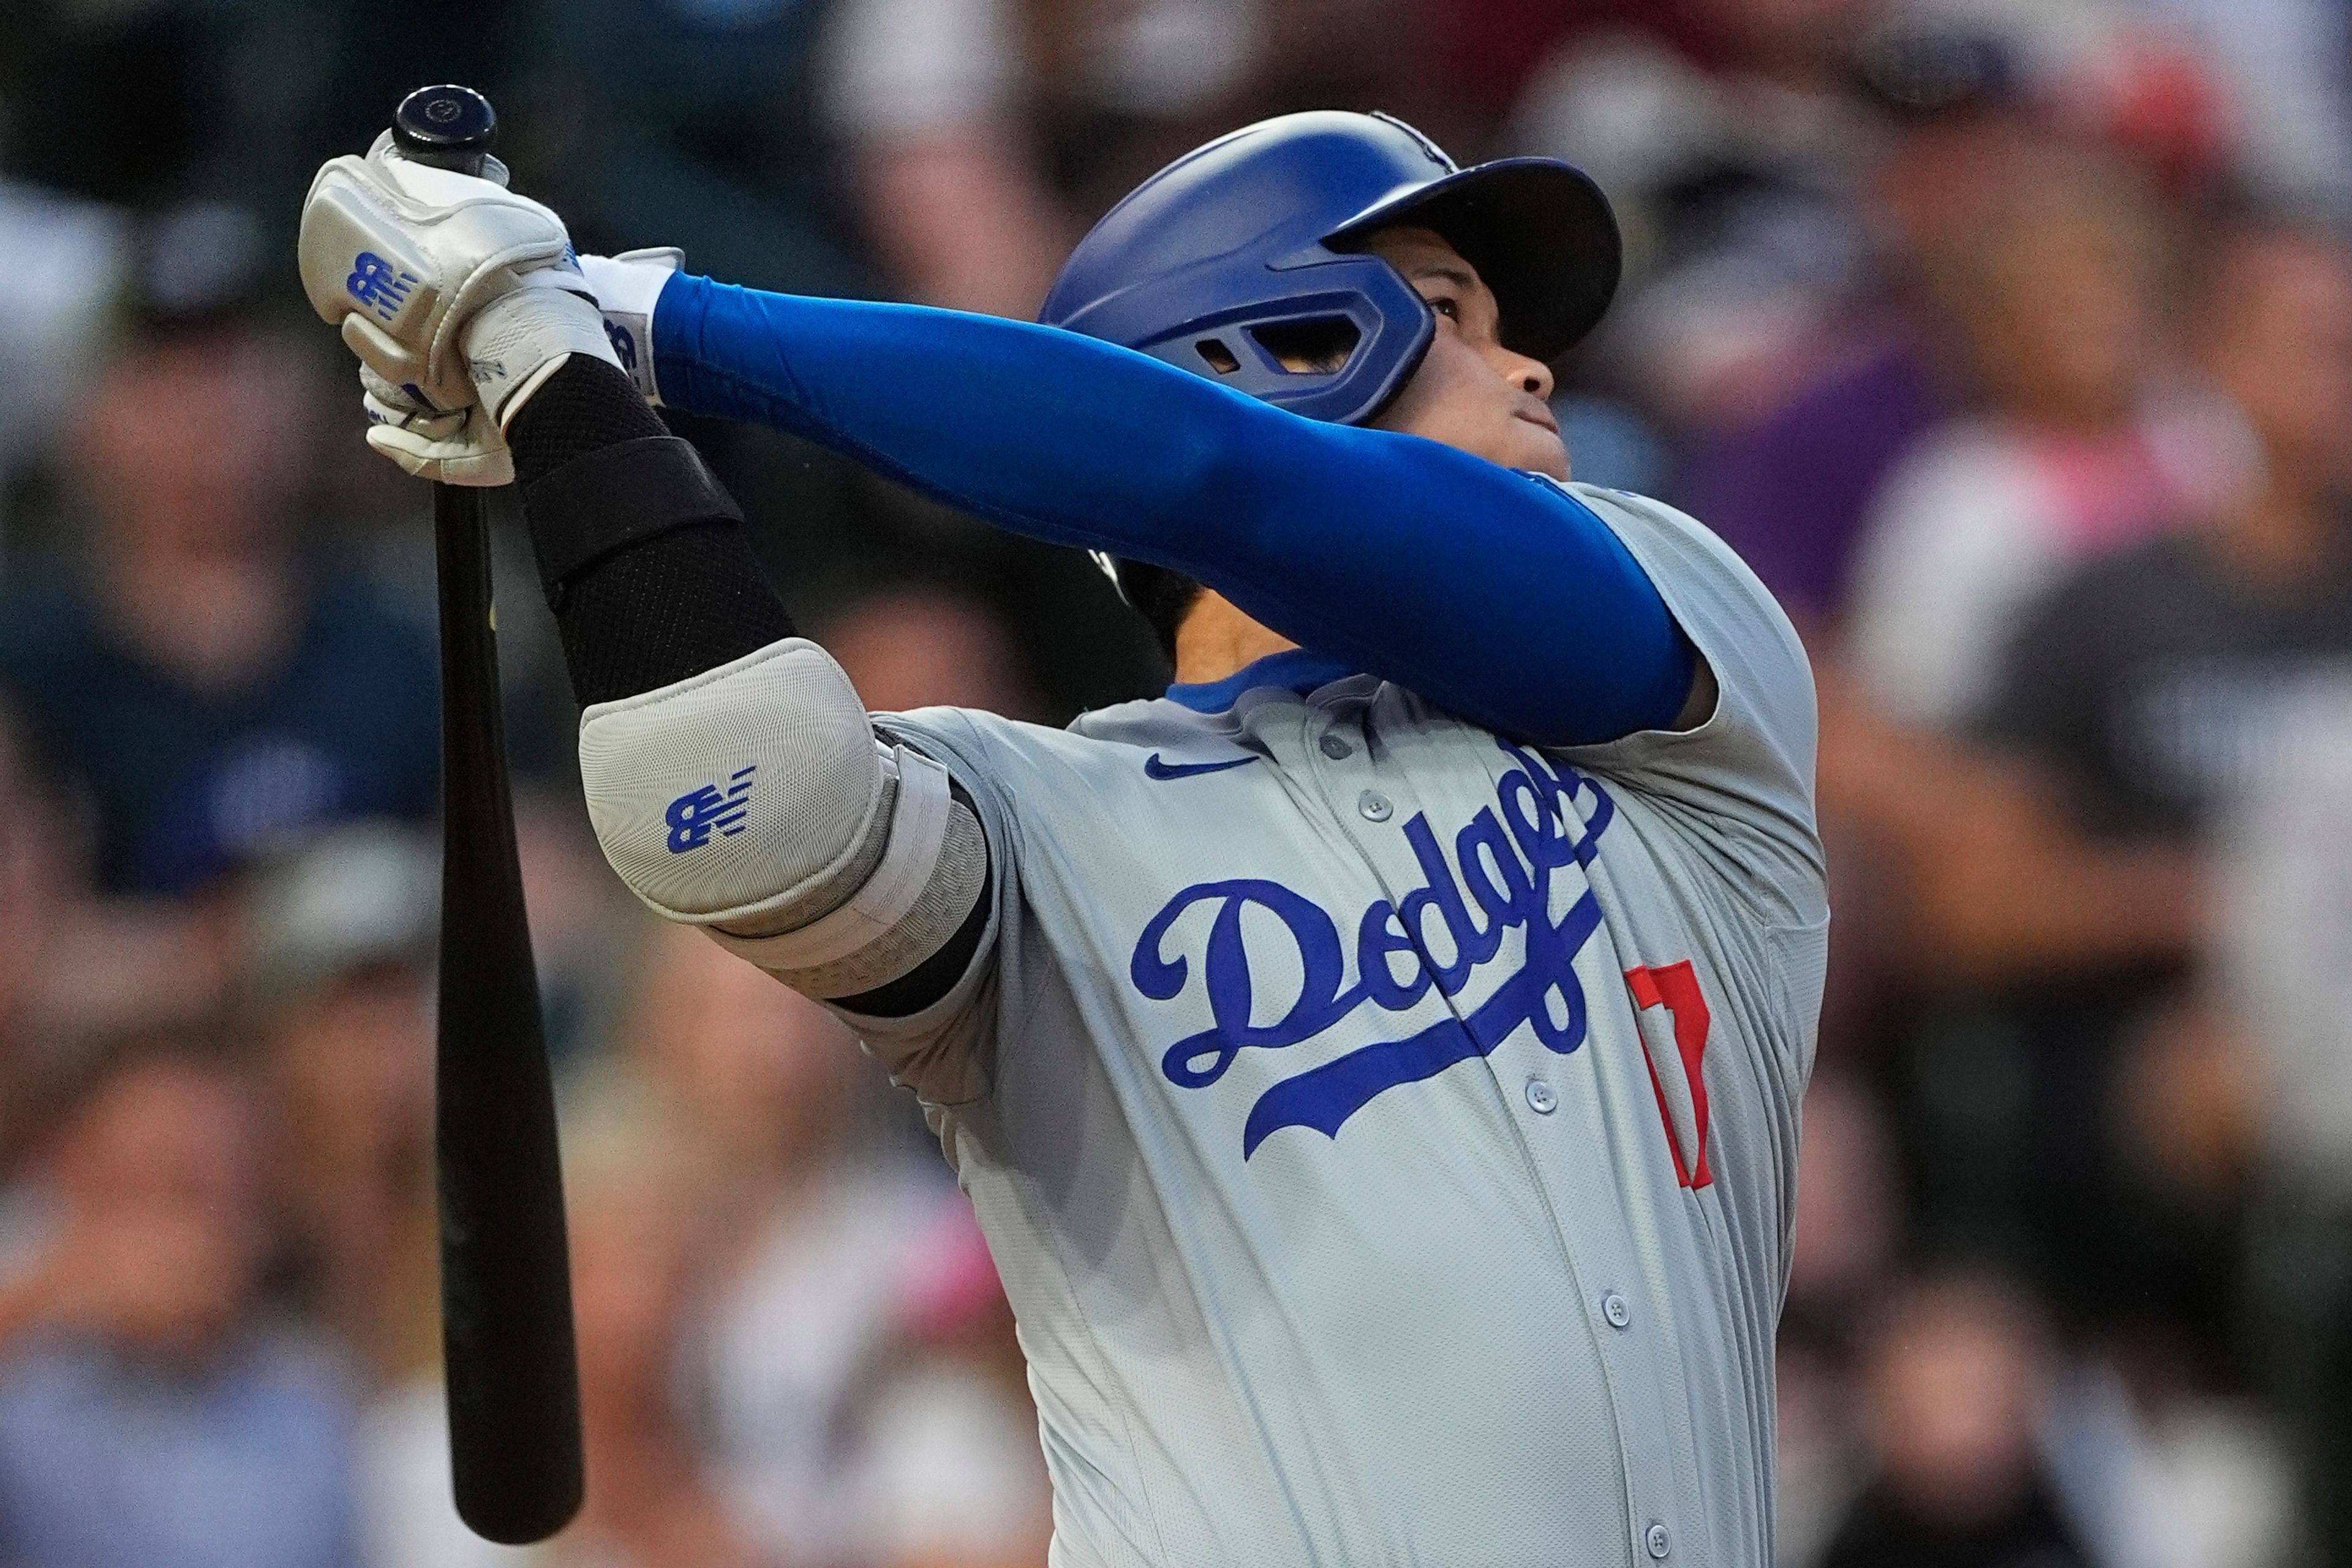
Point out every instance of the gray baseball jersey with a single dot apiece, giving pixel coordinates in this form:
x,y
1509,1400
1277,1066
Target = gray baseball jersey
x,y
1387,1132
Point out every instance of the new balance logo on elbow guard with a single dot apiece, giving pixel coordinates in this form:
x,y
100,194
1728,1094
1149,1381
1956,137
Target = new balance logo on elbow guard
x,y
693,816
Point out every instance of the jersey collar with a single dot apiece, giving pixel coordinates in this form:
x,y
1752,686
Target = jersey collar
x,y
1296,669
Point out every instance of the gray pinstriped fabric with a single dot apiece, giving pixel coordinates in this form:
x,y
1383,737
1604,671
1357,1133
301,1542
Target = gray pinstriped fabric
x,y
1388,1138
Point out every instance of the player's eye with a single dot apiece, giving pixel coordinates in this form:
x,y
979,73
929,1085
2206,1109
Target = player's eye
x,y
1446,307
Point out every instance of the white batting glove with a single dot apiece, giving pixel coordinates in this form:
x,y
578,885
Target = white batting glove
x,y
516,340
625,287
426,270
454,446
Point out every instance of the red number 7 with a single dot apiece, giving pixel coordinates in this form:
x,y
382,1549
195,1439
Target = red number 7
x,y
1675,987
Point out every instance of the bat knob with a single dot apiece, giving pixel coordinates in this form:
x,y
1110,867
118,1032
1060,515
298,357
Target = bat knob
x,y
449,127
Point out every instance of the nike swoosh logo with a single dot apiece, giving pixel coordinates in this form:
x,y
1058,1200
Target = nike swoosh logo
x,y
1155,769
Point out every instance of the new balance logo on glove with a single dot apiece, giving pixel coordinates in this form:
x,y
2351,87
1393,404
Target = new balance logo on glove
x,y
694,814
623,344
378,285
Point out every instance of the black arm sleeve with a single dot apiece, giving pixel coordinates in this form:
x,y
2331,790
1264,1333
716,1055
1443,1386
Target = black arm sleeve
x,y
657,609
664,592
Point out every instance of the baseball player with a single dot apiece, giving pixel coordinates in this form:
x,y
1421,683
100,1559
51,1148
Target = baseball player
x,y
1376,1061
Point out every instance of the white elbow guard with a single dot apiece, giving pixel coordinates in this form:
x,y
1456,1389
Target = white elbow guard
x,y
755,795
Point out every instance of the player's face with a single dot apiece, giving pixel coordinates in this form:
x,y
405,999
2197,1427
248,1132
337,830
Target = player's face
x,y
1470,391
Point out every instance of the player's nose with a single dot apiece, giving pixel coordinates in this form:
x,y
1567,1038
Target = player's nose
x,y
1528,374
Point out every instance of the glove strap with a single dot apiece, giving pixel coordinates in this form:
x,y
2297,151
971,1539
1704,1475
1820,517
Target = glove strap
x,y
616,496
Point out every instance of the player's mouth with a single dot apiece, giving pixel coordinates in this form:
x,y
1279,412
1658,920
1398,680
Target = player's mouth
x,y
1540,416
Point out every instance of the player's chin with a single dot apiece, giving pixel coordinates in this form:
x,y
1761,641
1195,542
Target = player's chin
x,y
1537,447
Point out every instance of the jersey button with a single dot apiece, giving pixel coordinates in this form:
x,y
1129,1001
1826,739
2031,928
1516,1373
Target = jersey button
x,y
1540,1097
1614,1308
1336,748
1657,1540
1374,805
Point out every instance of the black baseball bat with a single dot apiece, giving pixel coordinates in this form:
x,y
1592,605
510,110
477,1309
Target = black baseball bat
x,y
505,1285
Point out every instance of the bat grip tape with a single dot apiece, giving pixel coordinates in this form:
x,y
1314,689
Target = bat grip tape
x,y
618,496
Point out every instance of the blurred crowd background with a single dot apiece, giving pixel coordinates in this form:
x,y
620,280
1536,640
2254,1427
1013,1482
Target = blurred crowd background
x,y
2012,342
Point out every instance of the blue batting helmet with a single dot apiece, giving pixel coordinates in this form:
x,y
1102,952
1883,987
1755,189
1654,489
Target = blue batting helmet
x,y
1253,246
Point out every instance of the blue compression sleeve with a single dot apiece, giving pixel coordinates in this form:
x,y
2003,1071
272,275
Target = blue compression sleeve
x,y
1489,593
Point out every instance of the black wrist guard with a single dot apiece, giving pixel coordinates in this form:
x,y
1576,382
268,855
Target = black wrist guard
x,y
616,496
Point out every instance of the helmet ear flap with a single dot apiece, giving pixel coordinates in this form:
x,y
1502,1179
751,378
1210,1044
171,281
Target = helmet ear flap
x,y
1336,347
1210,261
1320,347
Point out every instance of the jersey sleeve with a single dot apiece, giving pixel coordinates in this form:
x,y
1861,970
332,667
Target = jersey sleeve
x,y
946,1052
1744,776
